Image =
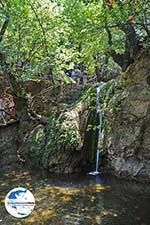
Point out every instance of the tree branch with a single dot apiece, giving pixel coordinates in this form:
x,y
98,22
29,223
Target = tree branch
x,y
4,28
132,47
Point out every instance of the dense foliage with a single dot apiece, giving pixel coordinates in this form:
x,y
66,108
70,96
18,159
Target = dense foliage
x,y
45,36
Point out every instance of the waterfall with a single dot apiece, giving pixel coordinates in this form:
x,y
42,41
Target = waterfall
x,y
97,160
100,131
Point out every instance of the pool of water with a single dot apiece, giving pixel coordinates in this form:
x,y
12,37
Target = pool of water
x,y
78,199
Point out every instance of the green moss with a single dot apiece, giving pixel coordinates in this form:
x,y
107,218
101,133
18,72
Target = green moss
x,y
57,136
112,95
115,105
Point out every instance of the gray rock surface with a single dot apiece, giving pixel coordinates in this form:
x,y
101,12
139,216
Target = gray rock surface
x,y
127,126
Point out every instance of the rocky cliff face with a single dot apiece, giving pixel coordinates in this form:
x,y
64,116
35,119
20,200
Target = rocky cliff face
x,y
59,144
50,124
127,126
45,126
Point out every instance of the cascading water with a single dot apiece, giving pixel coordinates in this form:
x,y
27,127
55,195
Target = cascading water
x,y
100,131
97,160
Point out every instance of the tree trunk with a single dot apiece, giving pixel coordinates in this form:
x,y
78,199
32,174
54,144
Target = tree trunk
x,y
132,46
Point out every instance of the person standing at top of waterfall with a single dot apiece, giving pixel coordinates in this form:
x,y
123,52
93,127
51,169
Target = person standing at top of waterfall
x,y
76,75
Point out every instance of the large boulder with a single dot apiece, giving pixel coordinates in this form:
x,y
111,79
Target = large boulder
x,y
56,137
127,125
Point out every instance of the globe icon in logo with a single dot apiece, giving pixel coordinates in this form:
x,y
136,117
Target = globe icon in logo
x,y
20,202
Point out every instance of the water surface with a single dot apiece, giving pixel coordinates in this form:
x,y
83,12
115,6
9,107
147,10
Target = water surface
x,y
78,200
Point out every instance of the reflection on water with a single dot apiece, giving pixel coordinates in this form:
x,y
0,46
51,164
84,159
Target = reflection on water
x,y
78,200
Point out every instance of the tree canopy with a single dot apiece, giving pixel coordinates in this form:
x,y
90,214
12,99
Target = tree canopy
x,y
51,35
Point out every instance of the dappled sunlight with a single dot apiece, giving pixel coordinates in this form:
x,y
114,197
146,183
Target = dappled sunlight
x,y
108,213
62,190
70,201
74,107
54,201
40,216
97,188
